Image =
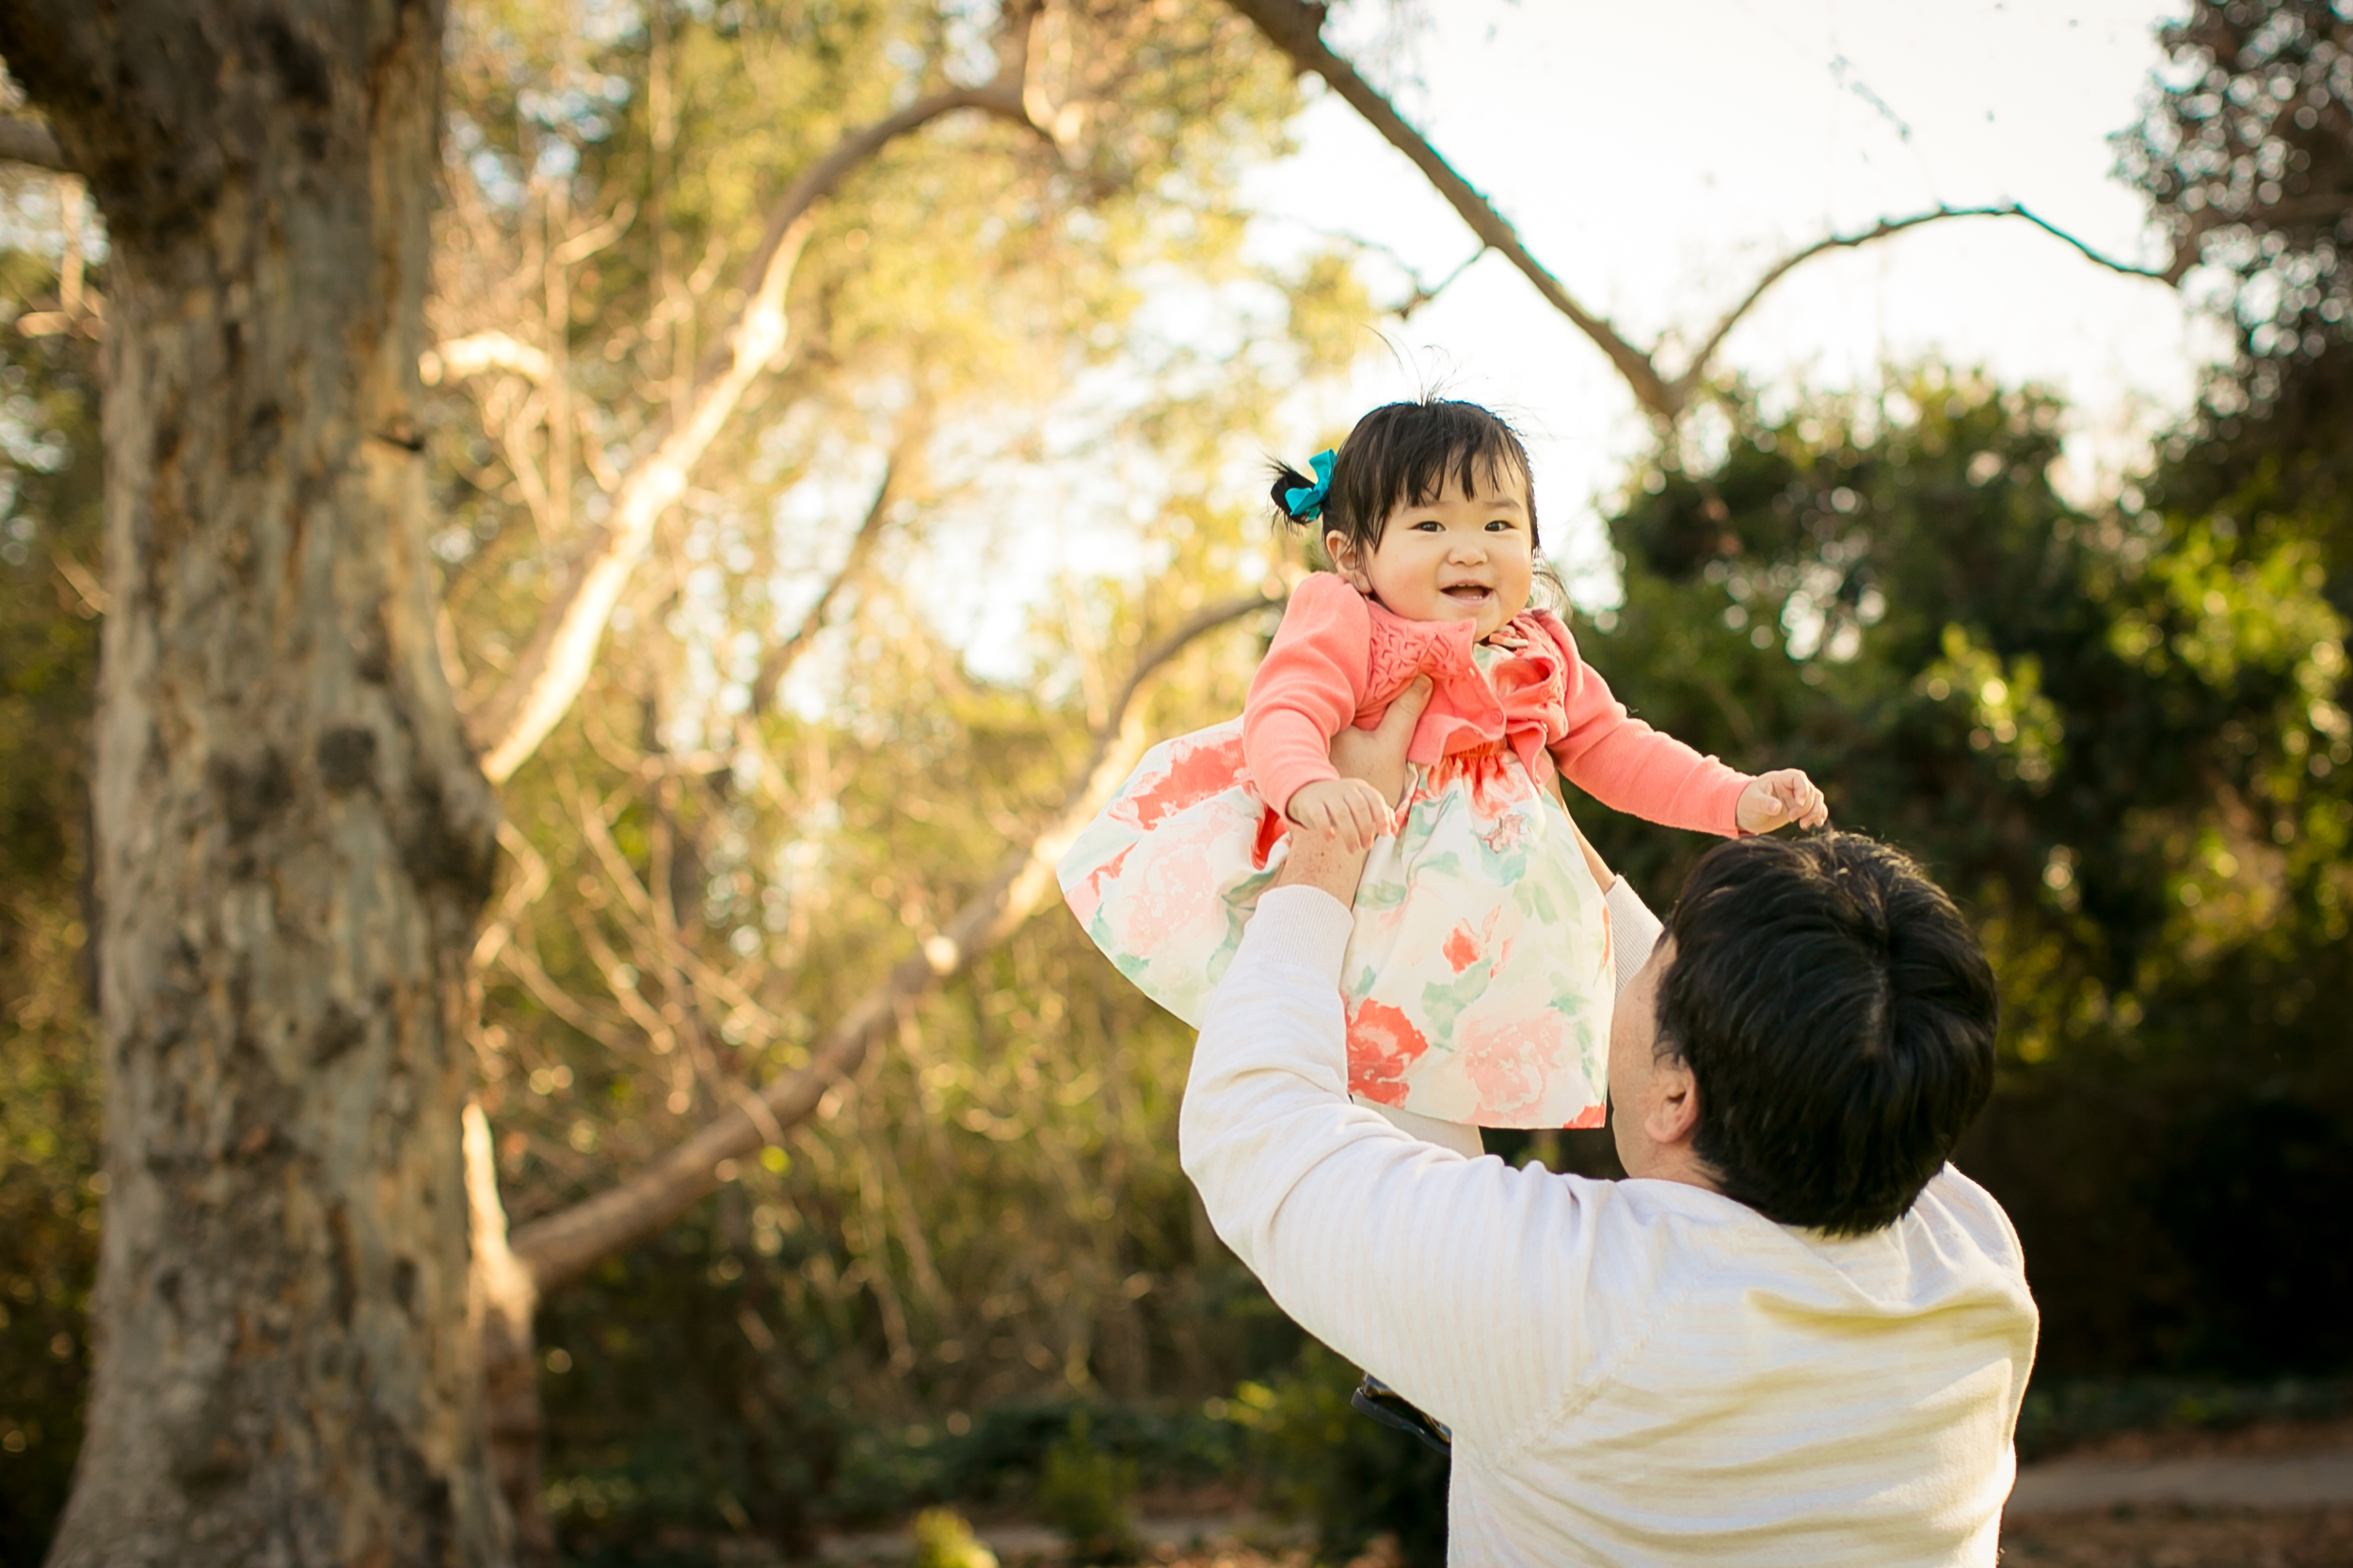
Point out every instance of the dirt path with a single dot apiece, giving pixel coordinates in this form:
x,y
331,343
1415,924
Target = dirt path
x,y
2272,1495
1016,1543
2255,1482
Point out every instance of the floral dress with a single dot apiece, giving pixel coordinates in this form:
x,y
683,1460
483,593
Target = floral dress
x,y
1476,981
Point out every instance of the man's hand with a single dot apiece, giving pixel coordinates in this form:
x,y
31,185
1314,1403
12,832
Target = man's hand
x,y
1377,756
1777,799
1374,757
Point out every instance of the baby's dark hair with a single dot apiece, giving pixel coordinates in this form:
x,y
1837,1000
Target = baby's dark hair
x,y
1402,455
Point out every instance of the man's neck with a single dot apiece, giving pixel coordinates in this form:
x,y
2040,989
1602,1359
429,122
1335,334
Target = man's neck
x,y
1676,1163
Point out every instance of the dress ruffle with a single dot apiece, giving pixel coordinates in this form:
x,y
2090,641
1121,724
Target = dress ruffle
x,y
1476,984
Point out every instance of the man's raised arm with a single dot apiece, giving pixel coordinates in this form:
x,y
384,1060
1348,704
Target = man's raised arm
x,y
1407,1258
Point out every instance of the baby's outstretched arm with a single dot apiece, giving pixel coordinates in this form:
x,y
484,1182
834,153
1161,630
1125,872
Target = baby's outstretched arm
x,y
1776,799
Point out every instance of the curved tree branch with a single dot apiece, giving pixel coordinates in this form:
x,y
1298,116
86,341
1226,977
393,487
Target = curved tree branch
x,y
560,1247
1295,26
554,663
476,352
1686,385
780,659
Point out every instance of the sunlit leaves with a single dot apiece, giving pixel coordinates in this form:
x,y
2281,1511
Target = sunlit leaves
x,y
2008,711
2115,732
51,613
2247,156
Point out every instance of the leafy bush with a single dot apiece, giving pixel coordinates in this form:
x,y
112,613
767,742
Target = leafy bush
x,y
1354,1478
2059,1415
1001,1455
944,1540
1084,1492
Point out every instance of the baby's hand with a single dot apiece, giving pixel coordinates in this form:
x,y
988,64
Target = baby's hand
x,y
1347,809
1777,799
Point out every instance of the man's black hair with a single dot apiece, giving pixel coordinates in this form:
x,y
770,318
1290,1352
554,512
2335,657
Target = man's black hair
x,y
1837,1016
1402,455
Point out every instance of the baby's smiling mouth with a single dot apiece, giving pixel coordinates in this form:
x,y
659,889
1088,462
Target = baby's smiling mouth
x,y
1470,593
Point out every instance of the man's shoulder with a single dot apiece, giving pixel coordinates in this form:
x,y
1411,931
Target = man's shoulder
x,y
1959,1204
1651,1233
1956,1242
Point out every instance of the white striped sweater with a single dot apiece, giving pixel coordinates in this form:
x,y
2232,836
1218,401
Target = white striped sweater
x,y
1637,1372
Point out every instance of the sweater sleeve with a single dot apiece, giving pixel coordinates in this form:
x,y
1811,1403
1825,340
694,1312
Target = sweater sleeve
x,y
1630,767
1306,689
1461,1282
1634,931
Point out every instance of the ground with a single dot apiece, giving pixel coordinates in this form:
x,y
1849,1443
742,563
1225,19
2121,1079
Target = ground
x,y
2140,1535
2183,1538
2124,1538
2157,1536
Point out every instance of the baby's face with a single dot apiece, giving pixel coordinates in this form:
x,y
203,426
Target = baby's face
x,y
1457,557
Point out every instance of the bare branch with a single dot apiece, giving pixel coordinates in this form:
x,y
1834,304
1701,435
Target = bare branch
x,y
503,1301
2172,272
477,352
555,664
1425,293
525,968
1296,28
24,141
1683,386
780,659
589,241
83,581
559,1247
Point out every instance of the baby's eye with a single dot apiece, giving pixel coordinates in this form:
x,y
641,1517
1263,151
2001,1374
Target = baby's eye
x,y
1500,526
1428,525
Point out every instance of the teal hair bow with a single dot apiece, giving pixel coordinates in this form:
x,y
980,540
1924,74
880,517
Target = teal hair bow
x,y
1305,501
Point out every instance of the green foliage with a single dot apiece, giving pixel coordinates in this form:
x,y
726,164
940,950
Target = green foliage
x,y
2059,1414
2117,735
707,872
50,1187
997,1455
700,1378
944,1540
672,1403
1084,1491
1320,1459
2246,156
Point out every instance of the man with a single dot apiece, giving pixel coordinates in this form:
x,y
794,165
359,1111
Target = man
x,y
1793,1335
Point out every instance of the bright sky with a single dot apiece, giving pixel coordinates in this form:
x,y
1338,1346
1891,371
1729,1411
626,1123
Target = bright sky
x,y
1659,157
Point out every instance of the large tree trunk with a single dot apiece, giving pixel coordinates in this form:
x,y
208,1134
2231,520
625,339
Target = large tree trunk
x,y
292,843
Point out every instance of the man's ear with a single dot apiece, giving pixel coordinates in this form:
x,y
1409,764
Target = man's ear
x,y
1346,560
1674,1103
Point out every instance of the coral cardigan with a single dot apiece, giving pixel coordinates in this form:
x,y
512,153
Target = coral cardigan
x,y
1339,658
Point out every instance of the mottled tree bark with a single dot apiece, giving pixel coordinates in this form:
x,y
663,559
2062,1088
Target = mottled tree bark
x,y
292,841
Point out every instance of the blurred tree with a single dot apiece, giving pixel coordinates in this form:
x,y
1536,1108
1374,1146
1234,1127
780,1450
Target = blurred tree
x,y
2246,156
721,902
2117,737
604,172
1319,1458
291,840
50,604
